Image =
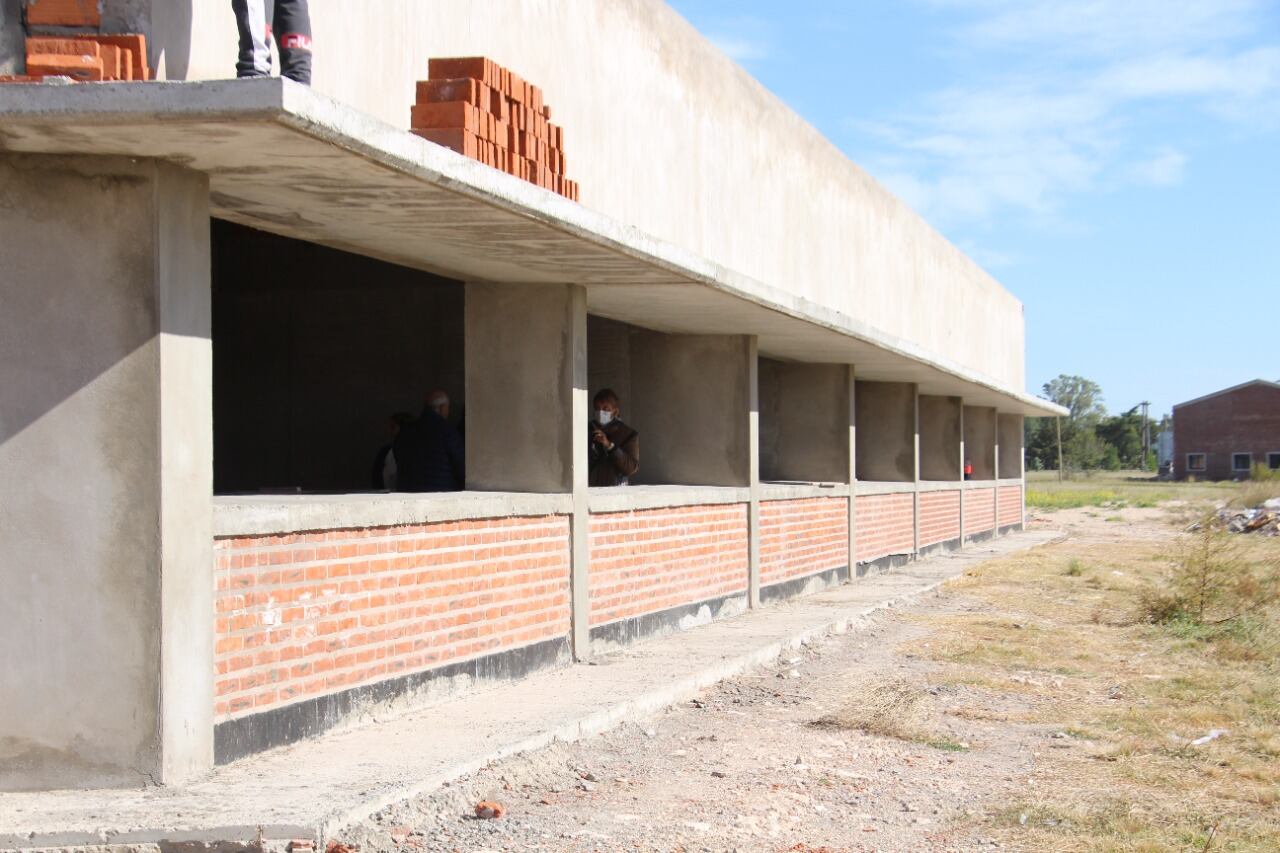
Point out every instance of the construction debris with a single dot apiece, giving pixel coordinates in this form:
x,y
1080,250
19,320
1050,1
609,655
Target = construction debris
x,y
1264,519
488,810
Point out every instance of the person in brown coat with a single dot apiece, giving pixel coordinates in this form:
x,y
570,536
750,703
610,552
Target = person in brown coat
x,y
614,449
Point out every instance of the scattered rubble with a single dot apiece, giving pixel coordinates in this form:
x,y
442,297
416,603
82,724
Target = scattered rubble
x,y
489,810
1264,519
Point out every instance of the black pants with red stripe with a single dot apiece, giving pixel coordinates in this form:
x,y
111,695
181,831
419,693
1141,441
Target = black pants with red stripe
x,y
290,22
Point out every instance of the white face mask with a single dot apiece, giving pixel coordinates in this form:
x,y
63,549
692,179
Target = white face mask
x,y
603,417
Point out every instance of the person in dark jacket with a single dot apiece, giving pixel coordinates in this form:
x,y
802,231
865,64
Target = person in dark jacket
x,y
429,453
614,450
383,474
290,22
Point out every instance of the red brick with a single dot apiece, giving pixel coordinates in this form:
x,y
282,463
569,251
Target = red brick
x,y
477,67
467,144
64,13
457,115
83,68
136,44
466,89
38,45
111,58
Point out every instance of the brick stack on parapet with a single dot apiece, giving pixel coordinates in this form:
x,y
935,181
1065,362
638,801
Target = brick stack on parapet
x,y
60,48
491,114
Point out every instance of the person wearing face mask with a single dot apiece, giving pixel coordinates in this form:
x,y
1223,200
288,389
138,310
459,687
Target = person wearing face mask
x,y
615,447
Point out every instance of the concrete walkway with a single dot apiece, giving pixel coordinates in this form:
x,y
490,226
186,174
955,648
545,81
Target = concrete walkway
x,y
313,789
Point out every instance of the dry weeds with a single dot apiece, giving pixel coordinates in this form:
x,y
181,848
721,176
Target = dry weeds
x,y
1062,630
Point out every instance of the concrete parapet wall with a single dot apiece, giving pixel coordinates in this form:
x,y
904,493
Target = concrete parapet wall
x,y
939,517
654,560
885,525
307,614
979,511
802,537
1010,505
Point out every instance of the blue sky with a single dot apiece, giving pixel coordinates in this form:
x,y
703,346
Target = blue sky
x,y
1114,163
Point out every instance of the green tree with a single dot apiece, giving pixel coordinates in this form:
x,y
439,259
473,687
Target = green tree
x,y
1081,397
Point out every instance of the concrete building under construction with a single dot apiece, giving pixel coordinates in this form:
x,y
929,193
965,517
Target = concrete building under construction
x,y
215,291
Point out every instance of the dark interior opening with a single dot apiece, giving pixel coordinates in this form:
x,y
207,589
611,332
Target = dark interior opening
x,y
314,349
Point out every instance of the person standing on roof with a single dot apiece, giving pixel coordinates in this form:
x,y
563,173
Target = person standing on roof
x,y
290,22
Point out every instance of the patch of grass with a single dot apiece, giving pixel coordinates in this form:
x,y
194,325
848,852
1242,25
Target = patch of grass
x,y
947,745
888,707
1114,518
1072,499
1132,694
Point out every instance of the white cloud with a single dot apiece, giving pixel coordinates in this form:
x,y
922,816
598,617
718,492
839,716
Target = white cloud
x,y
1064,116
1164,169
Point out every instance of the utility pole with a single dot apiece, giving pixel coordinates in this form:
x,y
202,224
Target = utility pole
x,y
1057,422
1146,434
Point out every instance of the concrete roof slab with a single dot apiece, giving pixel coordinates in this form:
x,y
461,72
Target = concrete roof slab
x,y
285,159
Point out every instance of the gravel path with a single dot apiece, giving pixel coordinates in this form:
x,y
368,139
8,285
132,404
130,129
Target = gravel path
x,y
744,768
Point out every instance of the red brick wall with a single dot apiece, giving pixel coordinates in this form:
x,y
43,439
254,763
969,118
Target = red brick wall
x,y
979,511
1010,505
939,517
802,537
303,615
652,560
886,525
1246,420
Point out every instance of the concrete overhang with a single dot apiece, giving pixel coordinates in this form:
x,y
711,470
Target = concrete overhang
x,y
285,159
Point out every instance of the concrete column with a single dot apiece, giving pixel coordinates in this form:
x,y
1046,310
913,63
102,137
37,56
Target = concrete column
x,y
527,406
753,448
525,359
851,466
1010,455
804,421
691,404
915,473
106,474
962,458
886,421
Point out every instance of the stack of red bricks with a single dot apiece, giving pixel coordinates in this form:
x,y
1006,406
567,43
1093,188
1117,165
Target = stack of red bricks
x,y
491,114
84,57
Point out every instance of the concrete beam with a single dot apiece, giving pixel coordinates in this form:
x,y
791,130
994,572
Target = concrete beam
x,y
692,396
106,473
886,431
804,411
940,436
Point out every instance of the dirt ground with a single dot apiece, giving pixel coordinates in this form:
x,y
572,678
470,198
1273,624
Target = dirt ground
x,y
1016,736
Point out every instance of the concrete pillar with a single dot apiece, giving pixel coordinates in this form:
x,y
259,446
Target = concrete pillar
x,y
961,461
12,43
980,440
804,421
915,471
106,474
851,465
528,406
753,449
525,357
691,402
940,435
886,431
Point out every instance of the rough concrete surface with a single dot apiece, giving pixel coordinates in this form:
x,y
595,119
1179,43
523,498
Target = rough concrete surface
x,y
318,788
279,154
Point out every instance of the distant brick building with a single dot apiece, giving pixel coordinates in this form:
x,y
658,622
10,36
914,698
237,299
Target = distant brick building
x,y
1221,436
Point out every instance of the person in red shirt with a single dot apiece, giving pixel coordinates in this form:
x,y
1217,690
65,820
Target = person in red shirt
x,y
968,470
